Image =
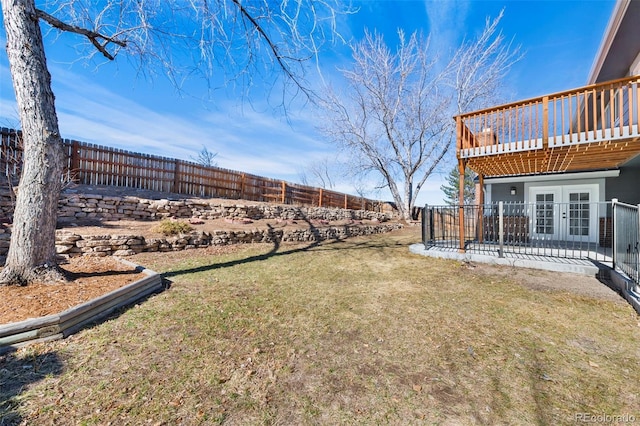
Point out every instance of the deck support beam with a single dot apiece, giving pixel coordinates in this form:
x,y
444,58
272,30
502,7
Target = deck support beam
x,y
480,200
461,169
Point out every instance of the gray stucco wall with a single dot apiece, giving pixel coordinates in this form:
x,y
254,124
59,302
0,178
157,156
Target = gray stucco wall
x,y
626,187
502,192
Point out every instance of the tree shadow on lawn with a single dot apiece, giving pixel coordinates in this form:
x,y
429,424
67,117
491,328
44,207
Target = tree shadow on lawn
x,y
275,251
76,275
16,373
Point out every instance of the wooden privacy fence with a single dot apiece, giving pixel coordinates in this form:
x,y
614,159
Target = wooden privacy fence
x,y
90,164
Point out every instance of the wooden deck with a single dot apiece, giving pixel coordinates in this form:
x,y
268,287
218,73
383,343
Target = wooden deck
x,y
591,128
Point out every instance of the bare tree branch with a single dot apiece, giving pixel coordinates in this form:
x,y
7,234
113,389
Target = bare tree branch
x,y
319,173
93,36
224,42
205,157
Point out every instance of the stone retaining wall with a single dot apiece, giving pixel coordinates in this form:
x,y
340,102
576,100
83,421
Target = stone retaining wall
x,y
73,207
70,244
82,206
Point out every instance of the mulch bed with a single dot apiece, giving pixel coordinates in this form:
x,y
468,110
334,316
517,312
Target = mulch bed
x,y
90,277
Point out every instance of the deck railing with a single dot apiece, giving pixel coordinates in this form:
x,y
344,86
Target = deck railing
x,y
558,230
626,248
600,112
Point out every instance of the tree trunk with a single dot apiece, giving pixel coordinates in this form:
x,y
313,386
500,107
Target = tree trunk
x,y
32,253
408,197
397,198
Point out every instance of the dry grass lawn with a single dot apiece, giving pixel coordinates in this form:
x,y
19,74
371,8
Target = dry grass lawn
x,y
352,332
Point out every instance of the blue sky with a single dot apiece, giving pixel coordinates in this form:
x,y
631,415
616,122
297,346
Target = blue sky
x,y
111,105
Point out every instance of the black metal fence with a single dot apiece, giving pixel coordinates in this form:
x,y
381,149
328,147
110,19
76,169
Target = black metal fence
x,y
573,230
626,219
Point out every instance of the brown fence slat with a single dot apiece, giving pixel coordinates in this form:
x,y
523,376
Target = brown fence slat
x,y
92,164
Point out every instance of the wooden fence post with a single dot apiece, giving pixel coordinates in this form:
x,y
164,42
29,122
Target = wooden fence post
x,y
345,201
320,198
242,179
284,191
75,161
176,177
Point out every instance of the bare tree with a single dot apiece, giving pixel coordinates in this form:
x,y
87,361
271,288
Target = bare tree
x,y
205,157
319,174
240,38
394,117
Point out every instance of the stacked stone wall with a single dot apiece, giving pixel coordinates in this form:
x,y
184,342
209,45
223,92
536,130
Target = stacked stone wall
x,y
78,207
71,244
74,207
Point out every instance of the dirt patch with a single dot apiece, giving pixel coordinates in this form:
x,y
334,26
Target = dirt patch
x,y
550,281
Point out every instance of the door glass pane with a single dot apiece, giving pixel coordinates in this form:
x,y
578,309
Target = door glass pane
x,y
579,212
544,214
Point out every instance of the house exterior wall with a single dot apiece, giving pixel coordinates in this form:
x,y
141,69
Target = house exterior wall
x,y
502,192
635,67
625,187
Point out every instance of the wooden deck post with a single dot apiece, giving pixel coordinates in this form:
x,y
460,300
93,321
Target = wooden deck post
x,y
480,198
461,168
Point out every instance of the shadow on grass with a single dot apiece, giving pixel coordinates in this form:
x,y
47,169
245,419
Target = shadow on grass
x,y
75,275
604,275
16,373
320,245
271,253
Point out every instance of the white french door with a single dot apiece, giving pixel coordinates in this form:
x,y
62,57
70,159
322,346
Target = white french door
x,y
545,213
579,213
566,213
